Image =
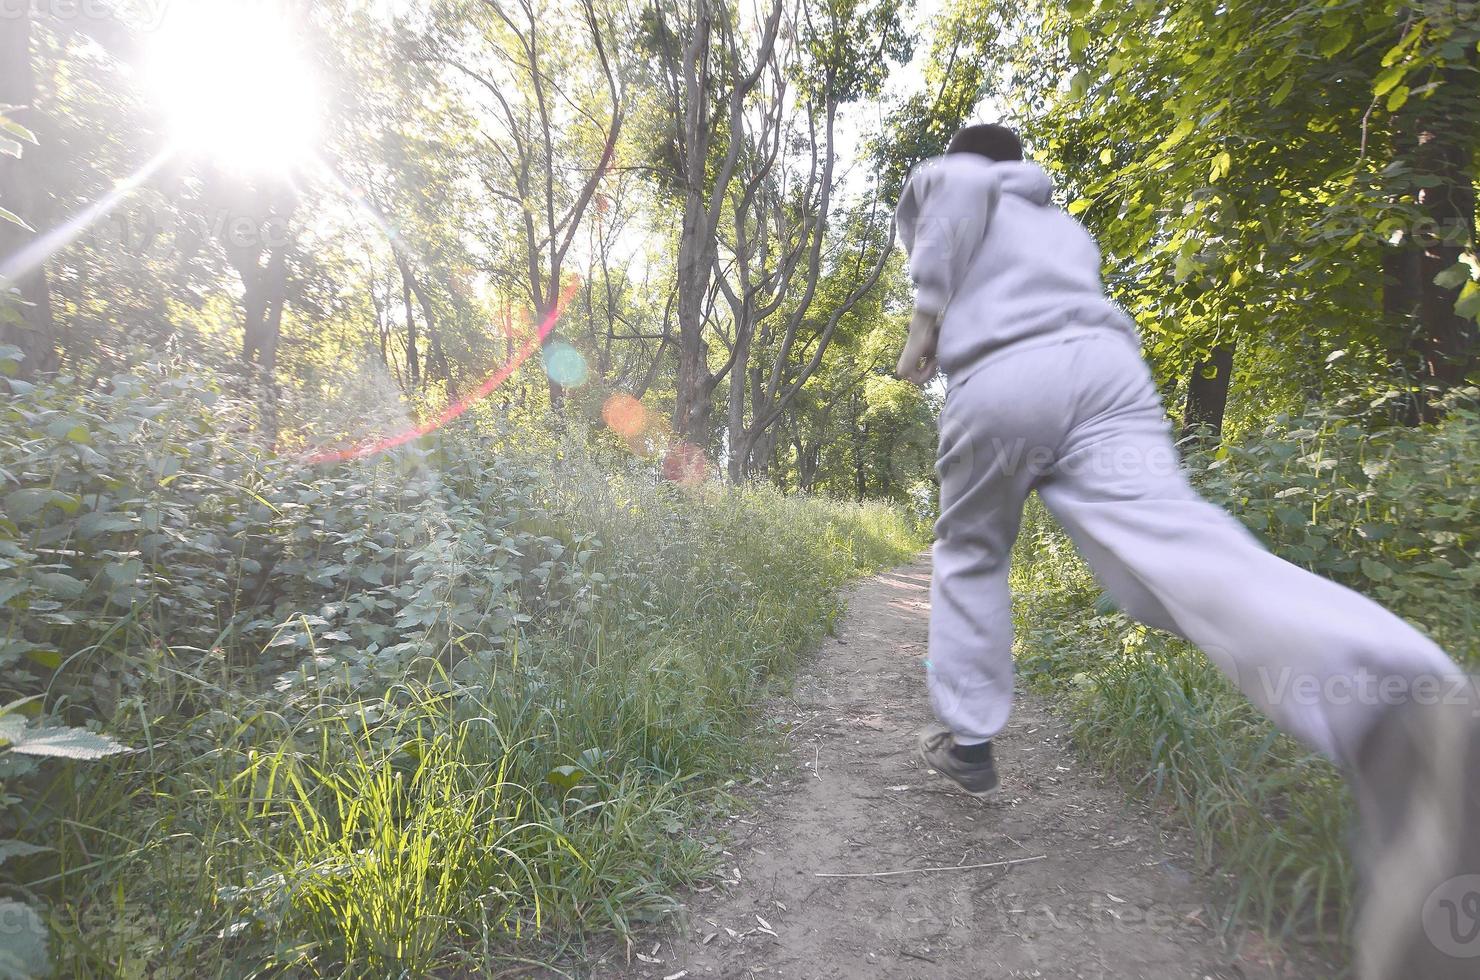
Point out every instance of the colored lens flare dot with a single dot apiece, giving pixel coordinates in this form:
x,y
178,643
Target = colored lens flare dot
x,y
625,416
685,464
565,365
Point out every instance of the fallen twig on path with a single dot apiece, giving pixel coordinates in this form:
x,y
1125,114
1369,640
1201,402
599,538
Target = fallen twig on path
x,y
916,871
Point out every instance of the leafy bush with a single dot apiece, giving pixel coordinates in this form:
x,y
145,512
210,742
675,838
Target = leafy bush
x,y
391,715
1392,513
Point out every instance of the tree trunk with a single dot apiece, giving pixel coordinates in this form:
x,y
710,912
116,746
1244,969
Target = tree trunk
x,y
22,192
1441,345
413,353
264,293
692,407
740,447
437,366
1447,340
809,459
1401,291
1207,395
543,311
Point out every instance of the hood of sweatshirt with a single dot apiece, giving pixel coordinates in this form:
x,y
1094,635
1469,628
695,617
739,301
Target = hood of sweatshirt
x,y
1017,177
995,259
945,207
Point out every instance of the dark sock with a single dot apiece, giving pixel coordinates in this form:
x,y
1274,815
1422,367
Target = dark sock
x,y
973,754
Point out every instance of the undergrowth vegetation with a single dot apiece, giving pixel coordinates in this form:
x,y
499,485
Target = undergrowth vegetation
x,y
449,705
1394,513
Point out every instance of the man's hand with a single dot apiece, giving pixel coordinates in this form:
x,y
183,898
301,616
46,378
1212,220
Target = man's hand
x,y
917,362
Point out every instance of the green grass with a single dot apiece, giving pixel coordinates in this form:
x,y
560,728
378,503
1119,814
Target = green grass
x,y
515,806
454,709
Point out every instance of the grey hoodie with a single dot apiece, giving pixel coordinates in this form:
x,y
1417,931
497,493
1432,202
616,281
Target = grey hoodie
x,y
990,252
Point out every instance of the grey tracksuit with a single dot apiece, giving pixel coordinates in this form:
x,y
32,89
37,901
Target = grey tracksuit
x,y
1047,390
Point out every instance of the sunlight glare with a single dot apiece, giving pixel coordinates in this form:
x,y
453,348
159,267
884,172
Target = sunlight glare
x,y
236,85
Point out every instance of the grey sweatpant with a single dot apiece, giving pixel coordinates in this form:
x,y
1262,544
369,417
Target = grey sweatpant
x,y
1076,417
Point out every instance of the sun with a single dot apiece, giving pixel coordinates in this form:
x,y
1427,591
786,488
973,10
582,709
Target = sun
x,y
236,85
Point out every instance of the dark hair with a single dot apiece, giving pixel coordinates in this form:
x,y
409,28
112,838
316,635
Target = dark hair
x,y
991,141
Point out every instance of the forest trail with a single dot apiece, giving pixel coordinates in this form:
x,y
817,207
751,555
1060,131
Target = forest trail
x,y
1101,892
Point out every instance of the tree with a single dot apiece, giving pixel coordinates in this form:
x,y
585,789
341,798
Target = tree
x,y
704,78
28,325
551,139
1247,168
772,261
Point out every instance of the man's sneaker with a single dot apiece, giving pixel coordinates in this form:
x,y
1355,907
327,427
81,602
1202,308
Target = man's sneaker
x,y
977,778
1417,783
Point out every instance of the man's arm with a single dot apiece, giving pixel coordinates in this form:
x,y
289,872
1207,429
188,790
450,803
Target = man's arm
x,y
940,222
917,361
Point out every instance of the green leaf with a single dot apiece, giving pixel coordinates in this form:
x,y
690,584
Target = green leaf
x,y
1468,304
1388,80
65,743
11,848
1398,98
1283,92
50,659
564,778
124,572
30,500
1079,85
1396,51
97,522
1078,41
1184,129
13,218
1222,164
1453,277
61,584
1336,40
1375,570
17,130
1079,205
12,729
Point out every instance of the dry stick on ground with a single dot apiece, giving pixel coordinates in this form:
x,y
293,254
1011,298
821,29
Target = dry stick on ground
x,y
916,871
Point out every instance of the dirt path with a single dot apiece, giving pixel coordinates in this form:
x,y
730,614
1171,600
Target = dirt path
x,y
1099,892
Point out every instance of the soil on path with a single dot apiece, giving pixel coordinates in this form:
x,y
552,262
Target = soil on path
x,y
1097,889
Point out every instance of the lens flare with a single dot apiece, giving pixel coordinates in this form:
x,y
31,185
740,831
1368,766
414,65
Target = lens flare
x,y
565,365
455,410
234,84
685,464
624,415
34,255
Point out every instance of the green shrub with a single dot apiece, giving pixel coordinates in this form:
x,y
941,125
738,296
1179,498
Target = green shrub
x,y
404,713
